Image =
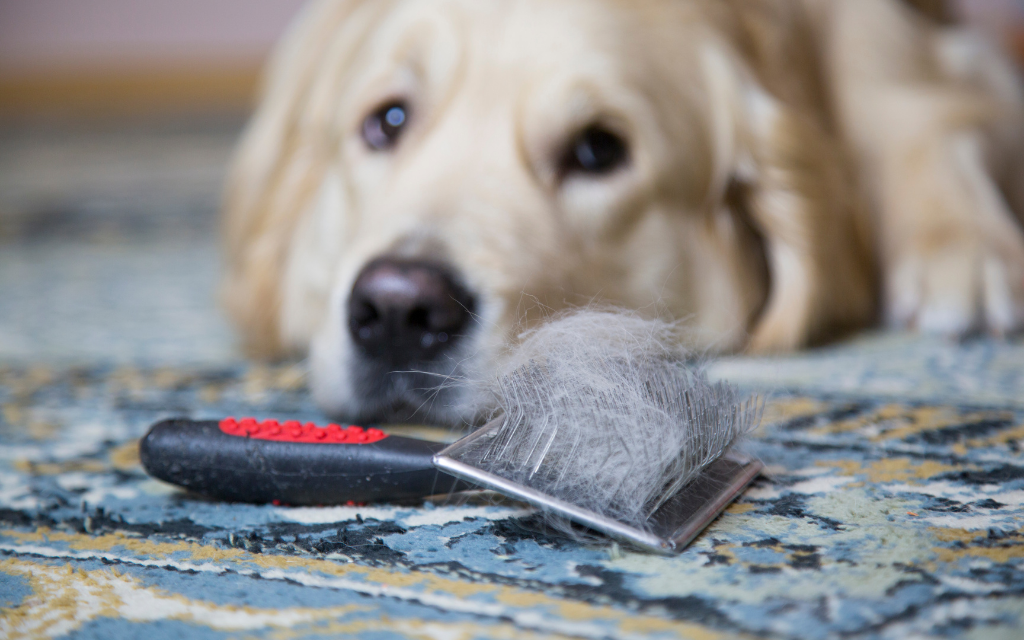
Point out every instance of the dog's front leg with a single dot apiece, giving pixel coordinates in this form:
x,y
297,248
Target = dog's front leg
x,y
953,255
933,116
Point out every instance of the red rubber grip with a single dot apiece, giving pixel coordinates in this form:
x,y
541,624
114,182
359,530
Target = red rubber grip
x,y
294,431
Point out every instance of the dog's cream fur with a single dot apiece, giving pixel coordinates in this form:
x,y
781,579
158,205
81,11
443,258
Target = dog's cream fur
x,y
797,168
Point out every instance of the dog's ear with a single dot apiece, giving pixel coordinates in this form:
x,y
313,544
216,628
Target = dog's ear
x,y
797,194
281,161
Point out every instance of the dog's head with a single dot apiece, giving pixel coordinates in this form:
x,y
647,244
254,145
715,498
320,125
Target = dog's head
x,y
423,176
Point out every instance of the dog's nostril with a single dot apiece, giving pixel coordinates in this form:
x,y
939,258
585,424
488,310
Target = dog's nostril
x,y
365,313
404,311
370,312
363,318
419,317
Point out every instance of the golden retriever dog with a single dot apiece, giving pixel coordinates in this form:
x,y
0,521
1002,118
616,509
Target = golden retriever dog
x,y
423,178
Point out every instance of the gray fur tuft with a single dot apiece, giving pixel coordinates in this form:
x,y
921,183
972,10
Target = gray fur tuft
x,y
607,410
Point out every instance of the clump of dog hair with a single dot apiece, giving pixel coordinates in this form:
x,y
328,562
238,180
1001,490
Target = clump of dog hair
x,y
608,411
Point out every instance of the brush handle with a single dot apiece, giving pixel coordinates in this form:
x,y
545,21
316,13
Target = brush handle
x,y
290,463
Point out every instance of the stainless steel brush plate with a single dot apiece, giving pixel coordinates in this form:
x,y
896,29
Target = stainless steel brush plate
x,y
669,529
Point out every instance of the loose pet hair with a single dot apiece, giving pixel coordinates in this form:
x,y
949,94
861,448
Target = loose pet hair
x,y
424,177
607,411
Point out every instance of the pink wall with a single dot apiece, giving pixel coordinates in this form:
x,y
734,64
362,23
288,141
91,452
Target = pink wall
x,y
67,35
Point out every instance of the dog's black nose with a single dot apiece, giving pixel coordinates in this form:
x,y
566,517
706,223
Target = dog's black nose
x,y
407,311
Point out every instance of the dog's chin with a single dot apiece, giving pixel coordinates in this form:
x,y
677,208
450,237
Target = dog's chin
x,y
421,396
370,393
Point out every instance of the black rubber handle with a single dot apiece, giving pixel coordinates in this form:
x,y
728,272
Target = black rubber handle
x,y
199,456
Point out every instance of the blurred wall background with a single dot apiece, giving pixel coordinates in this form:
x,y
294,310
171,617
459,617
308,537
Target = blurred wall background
x,y
88,56
85,56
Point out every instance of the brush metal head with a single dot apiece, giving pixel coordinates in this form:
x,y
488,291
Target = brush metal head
x,y
667,531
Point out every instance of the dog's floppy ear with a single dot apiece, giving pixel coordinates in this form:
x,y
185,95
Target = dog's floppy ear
x,y
281,161
800,201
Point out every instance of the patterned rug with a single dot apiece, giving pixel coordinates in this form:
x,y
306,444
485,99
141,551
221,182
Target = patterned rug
x,y
892,505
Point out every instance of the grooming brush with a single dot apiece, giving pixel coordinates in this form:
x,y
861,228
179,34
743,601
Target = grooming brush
x,y
302,464
599,419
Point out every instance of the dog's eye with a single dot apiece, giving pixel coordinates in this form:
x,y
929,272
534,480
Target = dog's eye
x,y
595,151
382,127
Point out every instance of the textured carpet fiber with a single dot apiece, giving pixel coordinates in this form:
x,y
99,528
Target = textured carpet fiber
x,y
892,505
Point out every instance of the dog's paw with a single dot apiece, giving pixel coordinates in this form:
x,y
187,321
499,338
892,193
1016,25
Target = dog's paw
x,y
961,286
